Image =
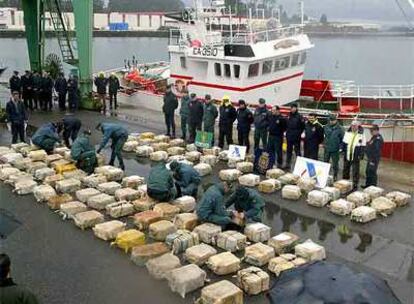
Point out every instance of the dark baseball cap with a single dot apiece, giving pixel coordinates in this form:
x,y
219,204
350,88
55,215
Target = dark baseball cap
x,y
242,102
332,117
262,101
375,127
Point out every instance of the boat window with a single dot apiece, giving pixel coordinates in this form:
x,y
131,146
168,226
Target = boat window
x,y
236,68
303,58
267,67
217,68
282,63
183,62
253,70
227,70
295,59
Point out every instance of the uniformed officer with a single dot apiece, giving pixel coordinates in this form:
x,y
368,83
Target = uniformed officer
x,y
373,152
313,136
277,128
334,134
294,128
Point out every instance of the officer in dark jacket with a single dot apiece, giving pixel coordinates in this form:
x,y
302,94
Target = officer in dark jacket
x,y
228,115
373,152
27,90
195,117
10,292
334,133
294,128
47,91
261,123
100,83
73,92
16,117
248,203
314,136
37,82
184,113
61,88
114,86
168,108
160,184
46,136
187,179
209,116
118,135
71,126
244,122
84,153
277,129
15,83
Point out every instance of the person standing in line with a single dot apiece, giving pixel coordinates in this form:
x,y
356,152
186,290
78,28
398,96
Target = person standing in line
x,y
27,90
168,108
73,92
184,112
17,117
61,88
114,86
294,128
314,136
373,152
277,129
354,147
195,117
47,91
334,133
244,123
261,123
37,83
100,83
118,135
228,115
209,117
15,83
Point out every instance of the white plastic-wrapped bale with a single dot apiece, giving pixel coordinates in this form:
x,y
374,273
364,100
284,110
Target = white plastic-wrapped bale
x,y
359,198
203,169
253,280
177,142
38,155
141,254
160,146
310,251
100,201
127,194
119,209
269,185
88,219
187,162
199,254
177,158
21,163
191,148
187,221
363,214
8,171
53,179
68,156
221,292
159,230
144,151
249,180
384,206
291,192
180,240
93,180
289,179
333,192
130,146
10,158
55,201
299,262
341,207
212,151
108,231
133,181
193,156
224,155
344,186
317,198
84,194
5,150
43,192
167,211
399,198
208,159
24,187
274,173
146,142
26,150
207,232
59,163
160,267
19,146
186,279
109,187
144,203
133,137
159,156
60,150
52,158
245,167
71,208
306,184
68,185
224,263
283,242
231,241
233,161
258,254
162,138
374,191
186,203
77,174
113,174
278,265
229,175
41,174
34,166
145,218
20,176
257,232
176,151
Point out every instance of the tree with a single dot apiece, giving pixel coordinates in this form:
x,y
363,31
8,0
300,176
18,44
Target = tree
x,y
144,5
324,19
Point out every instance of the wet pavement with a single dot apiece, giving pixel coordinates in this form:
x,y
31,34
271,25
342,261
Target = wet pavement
x,y
62,264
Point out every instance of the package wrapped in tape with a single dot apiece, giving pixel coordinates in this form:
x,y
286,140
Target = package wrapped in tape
x,y
306,184
127,194
333,192
38,155
160,267
130,146
231,241
359,198
230,175
209,159
399,198
111,173
193,156
159,230
374,191
41,174
53,179
199,254
109,187
21,163
187,221
108,231
269,185
180,240
317,198
15,178
141,254
162,138
289,179
177,142
119,209
249,180
224,263
60,165
5,150
144,203
221,292
34,166
24,187
162,146
60,150
177,158
55,201
144,151
186,279
43,192
203,169
88,219
100,201
84,194
71,208
26,150
384,206
159,156
186,203
274,173
344,186
19,146
145,218
245,167
258,254
176,151
224,155
278,265
341,207
207,232
212,151
310,251
283,242
253,280
8,171
363,214
93,180
191,148
167,211
257,232
233,161
133,181
291,192
52,158
128,239
147,135
10,158
68,185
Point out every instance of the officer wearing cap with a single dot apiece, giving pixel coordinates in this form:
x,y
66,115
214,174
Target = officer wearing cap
x,y
261,124
228,115
295,127
313,136
277,128
244,122
373,152
334,134
209,117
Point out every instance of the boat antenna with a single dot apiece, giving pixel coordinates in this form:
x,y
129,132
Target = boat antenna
x,y
301,10
407,18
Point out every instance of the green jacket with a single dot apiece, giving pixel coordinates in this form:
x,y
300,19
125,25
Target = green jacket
x,y
211,207
210,115
184,110
11,293
252,205
333,137
160,179
80,146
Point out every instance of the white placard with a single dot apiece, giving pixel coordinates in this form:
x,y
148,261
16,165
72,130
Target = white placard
x,y
237,152
306,167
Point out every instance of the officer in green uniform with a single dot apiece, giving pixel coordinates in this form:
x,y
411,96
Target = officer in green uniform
x,y
187,179
160,185
184,112
84,153
118,135
209,117
248,203
334,134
